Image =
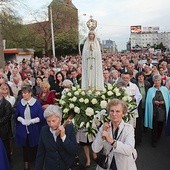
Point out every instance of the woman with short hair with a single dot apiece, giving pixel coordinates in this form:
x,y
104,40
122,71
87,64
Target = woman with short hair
x,y
116,138
57,145
156,108
46,97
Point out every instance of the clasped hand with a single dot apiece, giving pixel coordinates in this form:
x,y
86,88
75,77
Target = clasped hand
x,y
60,131
106,132
159,102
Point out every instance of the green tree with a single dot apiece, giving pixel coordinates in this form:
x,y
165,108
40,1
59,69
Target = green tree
x,y
66,43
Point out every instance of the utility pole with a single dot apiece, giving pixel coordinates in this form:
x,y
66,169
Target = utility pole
x,y
52,31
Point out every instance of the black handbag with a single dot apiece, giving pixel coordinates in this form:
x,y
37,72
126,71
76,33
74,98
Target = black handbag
x,y
102,160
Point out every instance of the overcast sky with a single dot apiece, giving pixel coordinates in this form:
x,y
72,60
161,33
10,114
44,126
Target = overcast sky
x,y
115,16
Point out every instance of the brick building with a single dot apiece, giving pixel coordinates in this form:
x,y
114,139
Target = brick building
x,y
65,18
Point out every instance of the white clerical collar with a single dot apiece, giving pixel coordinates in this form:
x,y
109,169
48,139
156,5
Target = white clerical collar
x,y
31,102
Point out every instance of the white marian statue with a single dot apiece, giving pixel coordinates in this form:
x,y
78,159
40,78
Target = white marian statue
x,y
92,72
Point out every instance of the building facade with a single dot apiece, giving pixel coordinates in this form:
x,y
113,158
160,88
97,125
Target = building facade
x,y
149,38
109,46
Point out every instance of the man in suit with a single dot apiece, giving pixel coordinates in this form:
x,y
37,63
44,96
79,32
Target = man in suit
x,y
75,77
57,145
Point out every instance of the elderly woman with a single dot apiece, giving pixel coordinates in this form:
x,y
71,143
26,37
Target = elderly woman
x,y
57,145
29,115
156,108
67,84
46,97
116,138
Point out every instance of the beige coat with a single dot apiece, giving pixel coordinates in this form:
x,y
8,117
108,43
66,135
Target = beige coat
x,y
125,154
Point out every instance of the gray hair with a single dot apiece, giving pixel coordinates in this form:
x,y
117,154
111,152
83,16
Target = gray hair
x,y
156,76
53,110
67,83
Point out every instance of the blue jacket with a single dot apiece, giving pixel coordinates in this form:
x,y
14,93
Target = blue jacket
x,y
56,155
149,105
34,129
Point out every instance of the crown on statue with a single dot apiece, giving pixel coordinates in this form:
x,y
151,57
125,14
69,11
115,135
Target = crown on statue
x,y
91,24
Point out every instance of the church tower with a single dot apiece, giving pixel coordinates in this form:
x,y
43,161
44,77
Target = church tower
x,y
65,16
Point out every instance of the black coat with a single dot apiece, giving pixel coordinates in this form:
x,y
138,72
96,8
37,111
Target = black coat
x,y
56,155
5,119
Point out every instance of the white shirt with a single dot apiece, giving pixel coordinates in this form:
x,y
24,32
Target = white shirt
x,y
11,100
55,136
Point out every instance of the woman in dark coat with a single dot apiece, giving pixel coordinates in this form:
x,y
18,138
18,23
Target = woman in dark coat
x,y
143,86
5,123
57,146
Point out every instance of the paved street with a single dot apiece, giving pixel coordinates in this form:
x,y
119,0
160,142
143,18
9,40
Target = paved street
x,y
148,158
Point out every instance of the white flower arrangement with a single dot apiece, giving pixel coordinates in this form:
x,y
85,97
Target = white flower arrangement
x,y
89,107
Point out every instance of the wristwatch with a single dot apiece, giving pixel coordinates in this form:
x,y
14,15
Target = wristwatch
x,y
114,144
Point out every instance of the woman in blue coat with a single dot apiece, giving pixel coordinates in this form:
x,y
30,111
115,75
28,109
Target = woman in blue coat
x,y
29,115
57,146
156,108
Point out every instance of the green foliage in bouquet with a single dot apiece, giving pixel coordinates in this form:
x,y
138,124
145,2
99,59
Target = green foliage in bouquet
x,y
90,106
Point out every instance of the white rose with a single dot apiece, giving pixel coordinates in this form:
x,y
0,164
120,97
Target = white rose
x,y
89,92
118,94
77,110
86,101
110,87
103,104
62,102
89,111
71,105
79,90
116,90
103,97
69,94
97,93
124,98
94,101
104,90
81,100
83,93
65,110
76,93
73,88
63,96
109,93
74,99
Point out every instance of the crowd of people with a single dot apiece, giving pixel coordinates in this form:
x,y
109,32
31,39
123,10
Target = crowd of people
x,y
29,88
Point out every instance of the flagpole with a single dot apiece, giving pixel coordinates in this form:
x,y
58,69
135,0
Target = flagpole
x,y
52,32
